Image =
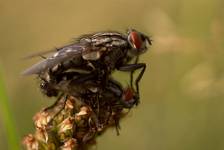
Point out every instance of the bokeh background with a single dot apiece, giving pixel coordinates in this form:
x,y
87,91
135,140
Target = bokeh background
x,y
182,91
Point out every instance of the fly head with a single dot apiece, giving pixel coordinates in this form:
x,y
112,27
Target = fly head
x,y
138,41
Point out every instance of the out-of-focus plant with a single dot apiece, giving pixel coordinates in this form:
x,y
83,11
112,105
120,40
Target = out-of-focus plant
x,y
6,115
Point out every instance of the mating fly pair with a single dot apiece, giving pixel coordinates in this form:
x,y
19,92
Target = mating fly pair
x,y
92,58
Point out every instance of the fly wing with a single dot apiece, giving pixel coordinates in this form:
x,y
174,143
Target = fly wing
x,y
40,54
63,54
49,52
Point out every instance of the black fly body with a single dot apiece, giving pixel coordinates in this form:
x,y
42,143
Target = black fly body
x,y
98,54
69,84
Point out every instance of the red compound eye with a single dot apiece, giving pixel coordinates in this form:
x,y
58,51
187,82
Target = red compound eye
x,y
128,94
135,39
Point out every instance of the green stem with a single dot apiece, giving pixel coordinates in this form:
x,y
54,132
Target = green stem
x,y
8,121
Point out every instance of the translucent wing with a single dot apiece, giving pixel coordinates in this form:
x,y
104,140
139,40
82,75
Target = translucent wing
x,y
40,54
49,52
66,53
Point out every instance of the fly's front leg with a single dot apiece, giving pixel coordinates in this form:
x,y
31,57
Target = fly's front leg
x,y
143,67
132,72
133,68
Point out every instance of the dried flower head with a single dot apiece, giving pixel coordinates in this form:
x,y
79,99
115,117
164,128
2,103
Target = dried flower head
x,y
66,124
41,135
30,142
70,144
41,119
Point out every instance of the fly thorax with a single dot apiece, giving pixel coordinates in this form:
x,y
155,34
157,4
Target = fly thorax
x,y
95,55
108,63
130,54
55,68
45,76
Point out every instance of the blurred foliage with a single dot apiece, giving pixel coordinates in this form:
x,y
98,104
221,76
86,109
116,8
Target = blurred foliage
x,y
7,118
182,91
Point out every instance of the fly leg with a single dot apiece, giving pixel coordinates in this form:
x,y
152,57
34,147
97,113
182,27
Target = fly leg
x,y
132,72
133,68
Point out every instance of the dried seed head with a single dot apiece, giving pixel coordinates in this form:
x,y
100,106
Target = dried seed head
x,y
41,119
78,118
41,135
69,104
30,142
66,125
84,111
70,144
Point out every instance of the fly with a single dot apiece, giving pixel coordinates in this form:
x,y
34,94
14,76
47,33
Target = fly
x,y
99,54
68,84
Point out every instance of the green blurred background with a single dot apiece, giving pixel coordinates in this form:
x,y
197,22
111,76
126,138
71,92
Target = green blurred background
x,y
182,91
